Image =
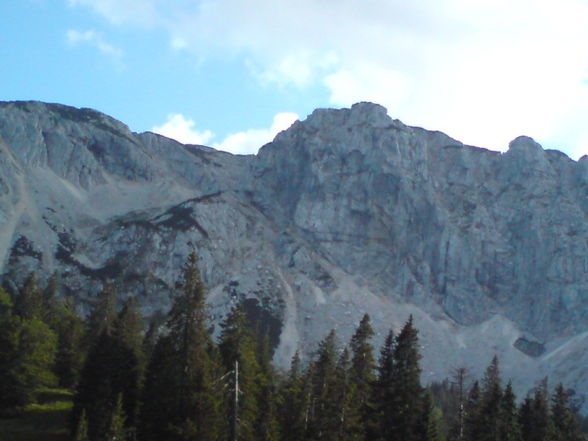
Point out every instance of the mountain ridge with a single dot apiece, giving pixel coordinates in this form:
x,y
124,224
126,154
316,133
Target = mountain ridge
x,y
346,212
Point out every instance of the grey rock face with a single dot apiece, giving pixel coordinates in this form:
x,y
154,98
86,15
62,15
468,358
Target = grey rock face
x,y
346,212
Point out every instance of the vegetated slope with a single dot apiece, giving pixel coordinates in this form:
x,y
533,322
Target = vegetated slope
x,y
346,212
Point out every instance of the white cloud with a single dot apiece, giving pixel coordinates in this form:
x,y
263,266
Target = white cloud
x,y
181,129
93,38
250,141
483,71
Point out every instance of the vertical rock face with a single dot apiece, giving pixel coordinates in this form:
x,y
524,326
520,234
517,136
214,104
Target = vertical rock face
x,y
346,212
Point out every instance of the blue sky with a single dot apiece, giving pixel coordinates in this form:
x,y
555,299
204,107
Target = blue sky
x,y
231,73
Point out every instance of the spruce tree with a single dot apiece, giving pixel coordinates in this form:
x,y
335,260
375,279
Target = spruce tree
x,y
379,425
117,430
180,400
128,333
103,314
29,302
534,415
406,385
490,406
267,425
509,428
473,414
361,379
324,418
111,369
69,359
428,422
349,417
237,347
293,403
564,423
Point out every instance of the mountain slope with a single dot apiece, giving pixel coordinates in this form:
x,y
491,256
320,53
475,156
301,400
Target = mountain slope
x,y
346,212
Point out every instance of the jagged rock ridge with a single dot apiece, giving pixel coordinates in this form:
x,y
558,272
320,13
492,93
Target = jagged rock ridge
x,y
346,212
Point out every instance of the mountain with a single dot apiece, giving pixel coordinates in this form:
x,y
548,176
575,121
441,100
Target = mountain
x,y
346,212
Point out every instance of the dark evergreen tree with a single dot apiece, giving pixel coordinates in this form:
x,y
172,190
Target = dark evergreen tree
x,y
101,381
406,386
29,302
455,411
428,423
564,423
267,425
344,392
473,414
294,403
509,428
379,425
112,368
361,378
117,430
103,314
534,415
237,348
490,406
13,390
180,400
69,359
129,361
27,354
325,414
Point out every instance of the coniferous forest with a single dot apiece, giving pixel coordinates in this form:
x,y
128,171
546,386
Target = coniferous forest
x,y
170,380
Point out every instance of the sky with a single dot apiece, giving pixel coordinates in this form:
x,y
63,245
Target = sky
x,y
233,73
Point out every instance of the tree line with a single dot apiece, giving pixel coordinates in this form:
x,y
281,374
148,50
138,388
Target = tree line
x,y
174,382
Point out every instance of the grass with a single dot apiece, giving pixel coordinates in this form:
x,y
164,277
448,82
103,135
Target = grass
x,y
45,420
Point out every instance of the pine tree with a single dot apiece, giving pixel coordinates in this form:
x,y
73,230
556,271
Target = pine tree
x,y
69,359
379,426
325,414
128,333
237,348
473,414
103,314
117,430
111,369
101,381
491,403
27,354
13,392
509,428
534,415
344,393
294,403
406,404
428,423
457,424
29,303
564,423
267,425
362,379
180,401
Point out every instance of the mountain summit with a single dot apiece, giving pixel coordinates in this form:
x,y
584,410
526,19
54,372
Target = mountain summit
x,y
344,213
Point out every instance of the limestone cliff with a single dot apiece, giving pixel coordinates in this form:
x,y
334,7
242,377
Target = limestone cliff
x,y
346,212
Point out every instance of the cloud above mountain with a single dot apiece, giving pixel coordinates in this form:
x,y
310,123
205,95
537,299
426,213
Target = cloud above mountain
x,y
483,71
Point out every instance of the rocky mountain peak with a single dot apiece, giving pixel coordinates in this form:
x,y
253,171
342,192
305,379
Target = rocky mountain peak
x,y
347,212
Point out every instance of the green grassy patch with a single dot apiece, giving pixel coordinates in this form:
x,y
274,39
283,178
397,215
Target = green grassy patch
x,y
45,420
